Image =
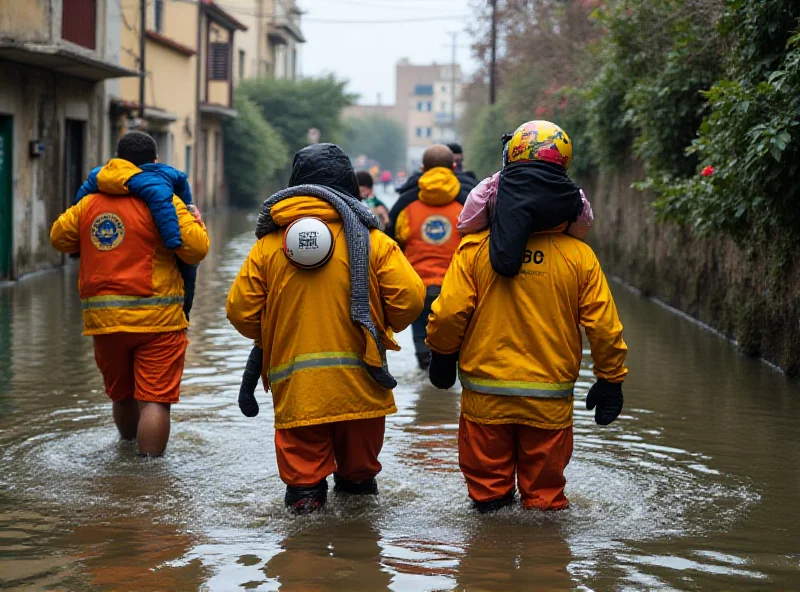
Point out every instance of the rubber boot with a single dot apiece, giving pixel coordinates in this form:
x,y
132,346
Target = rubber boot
x,y
494,505
305,500
368,487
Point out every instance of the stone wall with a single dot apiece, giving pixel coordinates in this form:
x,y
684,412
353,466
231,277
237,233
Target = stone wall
x,y
743,294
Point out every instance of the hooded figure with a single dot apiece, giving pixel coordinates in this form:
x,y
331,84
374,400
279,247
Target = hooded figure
x,y
318,355
326,165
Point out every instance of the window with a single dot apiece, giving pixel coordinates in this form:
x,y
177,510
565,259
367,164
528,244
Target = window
x,y
419,132
423,90
218,58
427,132
241,64
430,106
444,88
444,106
159,15
78,22
188,165
419,105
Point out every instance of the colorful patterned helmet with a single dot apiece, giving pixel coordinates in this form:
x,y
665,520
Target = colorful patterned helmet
x,y
539,140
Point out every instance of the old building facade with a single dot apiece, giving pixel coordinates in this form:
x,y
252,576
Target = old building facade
x,y
271,44
189,61
70,87
53,59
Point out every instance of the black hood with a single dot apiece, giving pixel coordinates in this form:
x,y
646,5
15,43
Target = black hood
x,y
531,197
326,165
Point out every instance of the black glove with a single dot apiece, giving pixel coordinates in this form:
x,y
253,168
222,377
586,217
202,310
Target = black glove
x,y
607,397
252,372
443,370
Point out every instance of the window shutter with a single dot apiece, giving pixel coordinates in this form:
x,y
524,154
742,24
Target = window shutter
x,y
219,60
78,21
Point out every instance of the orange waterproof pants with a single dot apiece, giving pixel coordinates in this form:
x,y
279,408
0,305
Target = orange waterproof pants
x,y
490,454
307,455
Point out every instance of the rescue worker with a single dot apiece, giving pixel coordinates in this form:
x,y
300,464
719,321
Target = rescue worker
x,y
156,185
517,343
132,293
425,228
467,179
330,396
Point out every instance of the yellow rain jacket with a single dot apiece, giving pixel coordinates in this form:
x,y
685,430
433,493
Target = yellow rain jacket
x,y
519,338
313,352
128,280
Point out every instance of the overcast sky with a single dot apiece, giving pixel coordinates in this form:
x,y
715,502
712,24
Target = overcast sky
x,y
366,53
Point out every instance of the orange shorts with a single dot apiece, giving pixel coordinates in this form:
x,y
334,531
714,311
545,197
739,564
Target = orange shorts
x,y
147,366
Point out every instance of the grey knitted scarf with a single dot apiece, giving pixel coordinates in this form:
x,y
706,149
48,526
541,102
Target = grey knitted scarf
x,y
357,221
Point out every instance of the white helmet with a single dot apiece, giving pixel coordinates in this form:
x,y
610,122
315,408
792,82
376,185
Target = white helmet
x,y
308,243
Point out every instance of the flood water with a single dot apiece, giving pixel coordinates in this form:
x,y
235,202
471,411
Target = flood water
x,y
696,486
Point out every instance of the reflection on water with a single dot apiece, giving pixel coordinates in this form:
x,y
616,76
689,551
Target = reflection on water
x,y
693,488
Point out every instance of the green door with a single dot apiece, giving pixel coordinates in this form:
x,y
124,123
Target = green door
x,y
6,130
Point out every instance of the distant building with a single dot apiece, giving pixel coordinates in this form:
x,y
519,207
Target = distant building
x,y
189,90
271,44
428,103
54,55
363,111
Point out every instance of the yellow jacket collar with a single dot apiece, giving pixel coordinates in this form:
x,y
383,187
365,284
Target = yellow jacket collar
x,y
438,186
287,211
555,230
113,177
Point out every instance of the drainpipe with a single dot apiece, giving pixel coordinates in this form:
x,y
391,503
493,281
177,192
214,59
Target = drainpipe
x,y
142,67
200,57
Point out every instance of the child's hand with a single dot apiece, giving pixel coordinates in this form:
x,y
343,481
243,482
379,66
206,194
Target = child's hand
x,y
195,212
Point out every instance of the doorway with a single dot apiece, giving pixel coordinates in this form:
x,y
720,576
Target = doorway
x,y
74,172
6,206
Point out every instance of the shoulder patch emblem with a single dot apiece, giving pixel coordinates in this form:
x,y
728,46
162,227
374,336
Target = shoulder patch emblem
x,y
107,232
436,230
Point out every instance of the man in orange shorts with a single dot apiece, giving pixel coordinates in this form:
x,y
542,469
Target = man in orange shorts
x,y
132,293
517,341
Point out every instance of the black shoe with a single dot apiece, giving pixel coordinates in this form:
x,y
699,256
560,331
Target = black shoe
x,y
305,500
424,361
494,505
368,487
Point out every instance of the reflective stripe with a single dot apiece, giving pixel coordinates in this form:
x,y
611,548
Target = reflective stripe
x,y
539,390
318,360
128,301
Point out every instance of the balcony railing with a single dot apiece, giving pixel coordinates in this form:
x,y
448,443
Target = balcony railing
x,y
444,118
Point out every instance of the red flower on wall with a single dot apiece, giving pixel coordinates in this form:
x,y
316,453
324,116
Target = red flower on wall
x,y
708,171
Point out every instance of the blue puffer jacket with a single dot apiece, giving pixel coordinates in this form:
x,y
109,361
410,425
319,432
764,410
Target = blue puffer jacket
x,y
155,185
